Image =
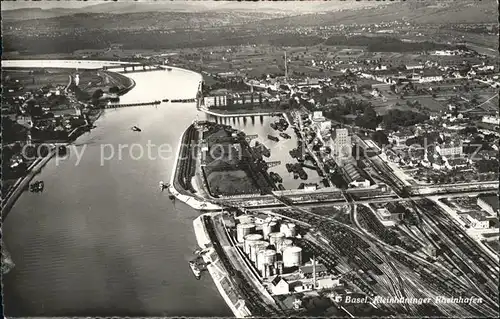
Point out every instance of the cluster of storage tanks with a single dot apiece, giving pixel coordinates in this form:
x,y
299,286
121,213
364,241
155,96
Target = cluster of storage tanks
x,y
268,244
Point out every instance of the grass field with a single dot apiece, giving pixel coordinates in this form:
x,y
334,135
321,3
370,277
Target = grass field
x,y
231,183
39,78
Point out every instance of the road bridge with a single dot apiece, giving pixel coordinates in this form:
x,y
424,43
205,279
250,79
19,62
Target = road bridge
x,y
139,67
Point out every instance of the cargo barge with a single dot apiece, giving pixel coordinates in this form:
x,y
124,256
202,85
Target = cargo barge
x,y
273,138
263,149
194,268
285,136
276,177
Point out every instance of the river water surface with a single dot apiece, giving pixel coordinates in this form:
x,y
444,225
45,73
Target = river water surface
x,y
102,240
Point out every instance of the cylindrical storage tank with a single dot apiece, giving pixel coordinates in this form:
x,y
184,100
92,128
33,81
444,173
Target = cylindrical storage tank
x,y
255,248
269,257
268,228
292,256
288,229
260,260
286,243
284,229
276,239
248,239
265,271
245,219
252,253
242,230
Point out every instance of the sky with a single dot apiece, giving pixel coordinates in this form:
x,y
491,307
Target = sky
x,y
46,4
313,5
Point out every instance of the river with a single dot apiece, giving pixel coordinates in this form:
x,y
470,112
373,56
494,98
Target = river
x,y
102,240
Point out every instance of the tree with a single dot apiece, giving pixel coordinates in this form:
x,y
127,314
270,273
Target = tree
x,y
97,94
114,89
368,119
380,138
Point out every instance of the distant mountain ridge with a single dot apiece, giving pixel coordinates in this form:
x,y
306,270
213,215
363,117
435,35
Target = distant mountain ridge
x,y
420,12
270,8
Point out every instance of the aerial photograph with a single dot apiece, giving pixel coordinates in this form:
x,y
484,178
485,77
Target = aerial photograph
x,y
250,159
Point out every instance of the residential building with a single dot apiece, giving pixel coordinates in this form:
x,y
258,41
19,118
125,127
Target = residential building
x,y
450,149
415,67
491,120
279,286
401,137
456,163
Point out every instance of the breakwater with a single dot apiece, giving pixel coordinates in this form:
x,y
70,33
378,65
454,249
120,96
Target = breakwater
x,y
183,100
115,106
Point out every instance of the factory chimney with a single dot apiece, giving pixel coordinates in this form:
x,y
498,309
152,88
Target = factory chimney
x,y
314,272
286,69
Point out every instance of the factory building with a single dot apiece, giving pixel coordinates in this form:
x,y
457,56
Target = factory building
x,y
386,217
341,145
353,177
238,99
476,220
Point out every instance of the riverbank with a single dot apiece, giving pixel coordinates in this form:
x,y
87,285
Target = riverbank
x,y
178,191
243,113
23,182
16,190
218,272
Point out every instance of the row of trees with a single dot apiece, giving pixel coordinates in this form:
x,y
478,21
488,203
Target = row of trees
x,y
398,118
385,44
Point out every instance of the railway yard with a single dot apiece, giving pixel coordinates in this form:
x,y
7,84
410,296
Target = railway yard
x,y
373,243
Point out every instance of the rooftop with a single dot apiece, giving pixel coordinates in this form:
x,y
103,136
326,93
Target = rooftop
x,y
476,215
309,269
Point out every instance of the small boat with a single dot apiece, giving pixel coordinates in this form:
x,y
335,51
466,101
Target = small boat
x,y
164,185
136,129
273,138
195,269
165,100
37,187
285,136
169,69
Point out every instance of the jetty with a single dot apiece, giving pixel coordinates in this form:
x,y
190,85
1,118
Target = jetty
x,y
116,105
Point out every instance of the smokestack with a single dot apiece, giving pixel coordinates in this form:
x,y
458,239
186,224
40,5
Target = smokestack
x,y
286,69
314,273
